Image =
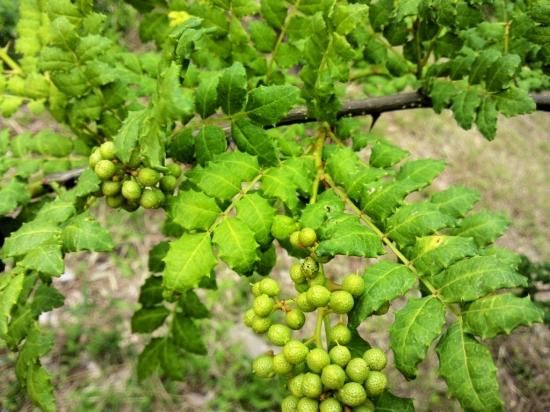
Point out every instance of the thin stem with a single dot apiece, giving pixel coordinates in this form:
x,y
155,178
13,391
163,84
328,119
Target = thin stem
x,y
318,157
5,57
318,327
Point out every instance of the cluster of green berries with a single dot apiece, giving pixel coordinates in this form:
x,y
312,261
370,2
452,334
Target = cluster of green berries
x,y
131,185
286,228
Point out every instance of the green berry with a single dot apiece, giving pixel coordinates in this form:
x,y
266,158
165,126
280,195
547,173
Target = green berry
x,y
294,239
261,325
308,405
248,317
340,355
330,405
295,352
310,267
375,358
110,188
130,206
280,365
296,273
317,359
382,310
279,334
270,287
357,370
301,287
340,334
114,201
283,226
168,183
295,385
318,296
148,177
341,301
333,376
256,289
368,406
311,385
94,158
303,303
131,190
174,170
295,319
289,404
319,279
149,199
263,366
354,284
352,394
107,150
308,237
263,305
105,169
376,383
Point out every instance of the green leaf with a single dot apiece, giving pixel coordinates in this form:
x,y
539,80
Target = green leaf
x,y
150,293
8,298
469,371
380,199
182,146
486,118
236,244
483,227
206,94
12,195
149,359
173,361
431,254
493,315
156,255
384,154
456,201
269,104
253,139
263,36
232,89
187,335
274,12
57,211
45,258
442,93
465,106
127,137
315,214
83,233
502,71
192,306
46,298
384,282
209,142
416,174
146,320
37,344
194,210
473,278
388,402
189,259
514,101
88,183
257,213
40,388
29,236
415,327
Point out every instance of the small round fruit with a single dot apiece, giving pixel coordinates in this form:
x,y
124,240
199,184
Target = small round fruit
x,y
130,205
110,188
376,383
279,334
330,405
382,310
319,279
248,317
94,158
301,287
148,177
318,296
114,201
375,358
354,284
289,404
270,287
283,226
295,385
295,352
261,325
149,199
107,150
131,190
168,183
340,334
352,394
357,370
263,366
368,406
296,273
105,169
310,267
333,376
295,319
340,355
303,303
263,305
341,301
256,289
294,239
174,170
317,359
308,237
280,365
311,385
308,405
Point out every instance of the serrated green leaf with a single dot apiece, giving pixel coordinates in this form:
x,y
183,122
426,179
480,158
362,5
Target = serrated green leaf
x,y
146,320
483,227
384,282
380,199
464,106
268,104
456,201
37,344
192,306
8,298
384,154
514,101
469,371
194,210
415,327
149,359
431,254
209,142
472,278
12,195
173,361
492,315
57,211
88,183
236,244
504,256
187,335
274,12
83,233
263,36
416,174
486,118
189,259
150,293
206,95
46,298
442,93
315,214
388,402
40,388
29,236
232,89
253,139
502,71
128,134
45,258
257,213
156,255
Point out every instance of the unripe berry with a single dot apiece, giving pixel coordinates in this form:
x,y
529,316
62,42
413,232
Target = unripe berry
x,y
341,301
107,150
357,370
296,273
340,334
130,205
263,305
318,296
340,355
301,287
295,385
110,188
330,405
303,303
375,358
376,383
263,366
279,334
280,365
149,199
148,177
311,385
308,405
105,169
295,352
295,319
308,237
256,289
317,359
114,201
354,284
294,239
319,279
248,317
174,170
289,404
261,325
368,406
310,267
94,158
269,287
283,226
382,310
168,183
333,377
352,394
131,190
